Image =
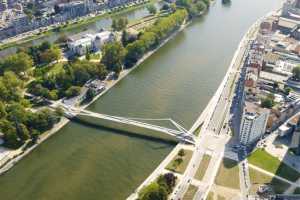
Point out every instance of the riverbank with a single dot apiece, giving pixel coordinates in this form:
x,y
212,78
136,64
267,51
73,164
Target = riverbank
x,y
73,26
209,109
17,155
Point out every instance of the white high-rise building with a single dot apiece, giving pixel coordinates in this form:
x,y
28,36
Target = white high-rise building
x,y
253,125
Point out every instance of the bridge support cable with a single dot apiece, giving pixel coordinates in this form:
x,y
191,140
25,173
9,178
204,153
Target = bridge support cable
x,y
181,133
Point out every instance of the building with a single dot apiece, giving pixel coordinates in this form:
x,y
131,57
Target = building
x,y
90,42
295,143
251,80
73,9
81,46
253,124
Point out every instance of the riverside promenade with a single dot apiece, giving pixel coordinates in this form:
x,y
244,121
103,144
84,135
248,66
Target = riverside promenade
x,y
204,120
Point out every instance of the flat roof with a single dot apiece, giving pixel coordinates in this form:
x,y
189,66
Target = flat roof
x,y
254,109
287,23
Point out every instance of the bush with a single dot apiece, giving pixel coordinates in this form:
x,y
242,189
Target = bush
x,y
73,91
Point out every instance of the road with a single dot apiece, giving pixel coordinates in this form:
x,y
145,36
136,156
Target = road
x,y
214,123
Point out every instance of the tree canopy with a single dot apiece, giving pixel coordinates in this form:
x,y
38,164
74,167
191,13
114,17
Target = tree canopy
x,y
296,72
153,35
152,9
160,189
17,63
113,56
119,24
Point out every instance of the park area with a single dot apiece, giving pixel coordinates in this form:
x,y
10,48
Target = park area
x,y
190,193
203,167
257,178
180,161
264,160
228,174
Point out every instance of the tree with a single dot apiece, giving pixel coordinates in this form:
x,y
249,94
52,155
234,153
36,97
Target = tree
x,y
113,56
17,63
87,55
151,9
127,38
119,24
153,192
135,51
287,90
181,153
22,131
90,94
177,162
73,91
50,55
10,87
165,7
296,72
167,181
267,102
3,112
44,46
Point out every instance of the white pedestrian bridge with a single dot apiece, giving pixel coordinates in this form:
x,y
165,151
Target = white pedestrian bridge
x,y
180,133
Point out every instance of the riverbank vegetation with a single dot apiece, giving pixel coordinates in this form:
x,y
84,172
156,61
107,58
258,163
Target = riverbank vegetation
x,y
67,81
18,123
39,71
152,37
180,161
160,189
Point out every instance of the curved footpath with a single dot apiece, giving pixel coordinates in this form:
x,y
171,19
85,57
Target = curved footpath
x,y
16,155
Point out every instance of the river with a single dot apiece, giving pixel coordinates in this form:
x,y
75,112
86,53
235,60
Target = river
x,y
89,163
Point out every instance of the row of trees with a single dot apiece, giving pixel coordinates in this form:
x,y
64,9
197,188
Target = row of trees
x,y
17,122
160,189
194,7
44,53
68,81
115,55
17,63
152,36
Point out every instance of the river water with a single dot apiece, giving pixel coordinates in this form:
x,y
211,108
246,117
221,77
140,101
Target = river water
x,y
91,163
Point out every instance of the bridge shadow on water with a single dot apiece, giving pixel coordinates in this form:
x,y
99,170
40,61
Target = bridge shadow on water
x,y
121,130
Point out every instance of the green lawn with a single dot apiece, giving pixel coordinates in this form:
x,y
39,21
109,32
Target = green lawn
x,y
228,174
210,196
257,178
182,166
197,131
219,197
190,193
95,56
203,167
264,160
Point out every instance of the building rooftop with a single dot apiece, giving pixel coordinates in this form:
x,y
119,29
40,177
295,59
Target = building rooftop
x,y
253,110
287,23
